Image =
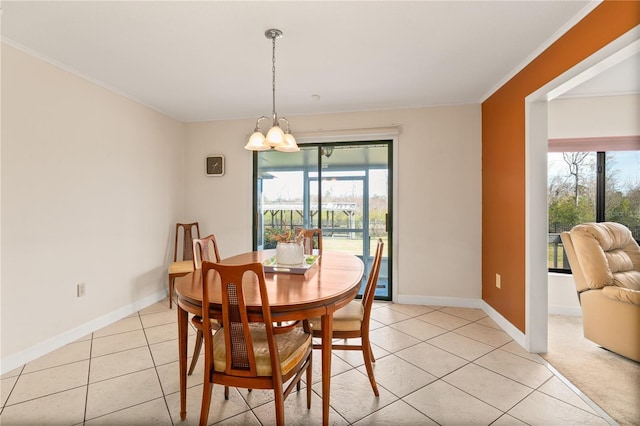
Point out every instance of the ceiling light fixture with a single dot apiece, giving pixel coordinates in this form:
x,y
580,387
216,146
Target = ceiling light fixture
x,y
275,137
326,151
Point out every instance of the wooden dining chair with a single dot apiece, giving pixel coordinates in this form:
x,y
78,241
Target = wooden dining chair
x,y
312,239
203,249
352,321
246,352
182,254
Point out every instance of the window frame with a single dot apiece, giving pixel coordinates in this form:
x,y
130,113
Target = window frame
x,y
588,145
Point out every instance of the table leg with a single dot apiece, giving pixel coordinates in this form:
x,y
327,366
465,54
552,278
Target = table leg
x,y
183,319
327,332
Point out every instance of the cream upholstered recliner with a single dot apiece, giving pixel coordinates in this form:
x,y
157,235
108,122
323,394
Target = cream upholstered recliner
x,y
605,262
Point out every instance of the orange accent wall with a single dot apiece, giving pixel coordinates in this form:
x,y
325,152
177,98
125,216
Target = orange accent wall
x,y
503,152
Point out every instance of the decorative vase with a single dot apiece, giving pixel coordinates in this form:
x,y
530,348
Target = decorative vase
x,y
289,253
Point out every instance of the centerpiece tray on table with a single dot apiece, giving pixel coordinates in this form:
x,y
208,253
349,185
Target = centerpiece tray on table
x,y
271,265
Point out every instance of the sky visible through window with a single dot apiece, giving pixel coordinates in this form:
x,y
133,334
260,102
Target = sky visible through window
x,y
627,164
288,185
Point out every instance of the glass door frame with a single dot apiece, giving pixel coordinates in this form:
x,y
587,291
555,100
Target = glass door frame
x,y
390,144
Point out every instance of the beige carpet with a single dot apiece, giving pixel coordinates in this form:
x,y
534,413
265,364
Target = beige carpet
x,y
609,380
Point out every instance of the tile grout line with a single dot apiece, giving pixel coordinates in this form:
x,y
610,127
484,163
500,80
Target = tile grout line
x,y
12,388
494,348
501,375
86,395
603,414
126,374
155,367
536,389
574,389
566,402
467,362
503,347
416,390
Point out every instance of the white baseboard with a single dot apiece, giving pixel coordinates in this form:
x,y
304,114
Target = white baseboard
x,y
508,328
454,302
43,348
16,360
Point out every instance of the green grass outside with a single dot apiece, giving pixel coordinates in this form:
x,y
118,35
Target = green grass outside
x,y
353,246
560,257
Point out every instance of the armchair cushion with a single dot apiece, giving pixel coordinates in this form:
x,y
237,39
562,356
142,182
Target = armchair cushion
x,y
608,255
627,279
622,294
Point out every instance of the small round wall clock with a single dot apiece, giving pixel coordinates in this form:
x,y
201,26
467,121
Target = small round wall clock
x,y
214,165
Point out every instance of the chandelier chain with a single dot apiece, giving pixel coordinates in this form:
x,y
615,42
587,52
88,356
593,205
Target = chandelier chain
x,y
276,137
273,72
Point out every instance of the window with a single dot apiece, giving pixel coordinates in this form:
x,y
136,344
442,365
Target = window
x,y
590,187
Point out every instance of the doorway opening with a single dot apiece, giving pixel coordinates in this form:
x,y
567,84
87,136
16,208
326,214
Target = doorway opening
x,y
536,149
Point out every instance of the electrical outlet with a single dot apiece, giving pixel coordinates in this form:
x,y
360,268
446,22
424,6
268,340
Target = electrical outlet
x,y
498,281
82,290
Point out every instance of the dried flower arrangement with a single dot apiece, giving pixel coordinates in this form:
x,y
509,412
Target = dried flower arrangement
x,y
286,236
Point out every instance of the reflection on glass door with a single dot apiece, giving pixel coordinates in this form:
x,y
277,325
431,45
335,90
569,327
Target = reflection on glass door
x,y
342,188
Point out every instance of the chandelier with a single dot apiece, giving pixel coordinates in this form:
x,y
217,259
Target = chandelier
x,y
276,137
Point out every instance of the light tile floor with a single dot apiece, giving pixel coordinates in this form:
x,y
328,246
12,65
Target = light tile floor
x,y
435,365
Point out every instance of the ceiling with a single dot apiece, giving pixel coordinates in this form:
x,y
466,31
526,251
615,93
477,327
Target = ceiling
x,y
210,60
620,77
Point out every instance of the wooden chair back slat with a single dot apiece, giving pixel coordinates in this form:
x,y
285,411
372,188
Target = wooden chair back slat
x,y
188,231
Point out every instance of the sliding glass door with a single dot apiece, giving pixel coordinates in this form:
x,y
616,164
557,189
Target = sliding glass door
x,y
342,188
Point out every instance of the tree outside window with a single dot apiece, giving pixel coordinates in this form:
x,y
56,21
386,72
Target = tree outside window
x,y
591,187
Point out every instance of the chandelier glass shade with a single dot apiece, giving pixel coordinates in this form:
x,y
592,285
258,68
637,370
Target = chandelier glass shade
x,y
275,137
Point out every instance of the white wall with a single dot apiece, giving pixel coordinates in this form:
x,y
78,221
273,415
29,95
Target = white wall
x,y
594,116
91,190
438,231
563,298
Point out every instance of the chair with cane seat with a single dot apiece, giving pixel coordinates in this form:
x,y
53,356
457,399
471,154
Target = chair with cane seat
x,y
183,258
248,351
352,321
203,249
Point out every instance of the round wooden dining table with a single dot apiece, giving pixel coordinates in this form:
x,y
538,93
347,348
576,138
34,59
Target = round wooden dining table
x,y
329,284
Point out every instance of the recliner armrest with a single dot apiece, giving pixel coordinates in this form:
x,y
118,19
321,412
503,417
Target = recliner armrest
x,y
622,294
